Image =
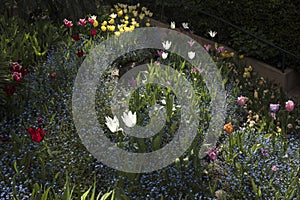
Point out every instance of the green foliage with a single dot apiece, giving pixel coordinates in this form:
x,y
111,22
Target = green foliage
x,y
52,10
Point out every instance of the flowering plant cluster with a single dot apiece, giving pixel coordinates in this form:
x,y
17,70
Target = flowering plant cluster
x,y
122,18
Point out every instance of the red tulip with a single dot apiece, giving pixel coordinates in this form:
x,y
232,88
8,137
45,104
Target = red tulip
x,y
9,89
15,67
93,32
37,135
53,75
76,37
79,53
17,76
68,23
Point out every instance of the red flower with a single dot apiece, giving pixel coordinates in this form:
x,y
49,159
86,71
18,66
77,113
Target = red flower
x,y
15,67
24,72
82,22
91,20
9,89
37,135
79,53
53,75
40,120
93,32
17,76
68,23
76,37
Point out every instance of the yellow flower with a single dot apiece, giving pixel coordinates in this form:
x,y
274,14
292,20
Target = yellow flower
x,y
126,29
133,23
117,33
95,24
148,24
231,54
141,16
126,22
132,28
121,30
120,13
133,19
111,28
111,21
125,11
104,23
255,94
246,74
103,28
144,9
137,25
241,57
135,13
126,17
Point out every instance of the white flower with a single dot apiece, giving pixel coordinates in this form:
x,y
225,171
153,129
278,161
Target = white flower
x,y
166,44
185,25
164,55
115,72
172,25
212,33
113,124
113,15
93,17
129,119
191,54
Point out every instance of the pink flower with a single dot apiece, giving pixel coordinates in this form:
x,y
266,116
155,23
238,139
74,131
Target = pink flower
x,y
289,105
274,168
157,62
91,20
68,23
159,52
213,153
207,47
196,69
15,67
191,42
53,75
82,22
220,49
17,76
241,101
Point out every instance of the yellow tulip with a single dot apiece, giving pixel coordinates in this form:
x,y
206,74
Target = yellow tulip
x,y
111,21
103,28
255,94
117,33
126,17
104,23
120,13
111,28
137,25
148,24
241,57
95,24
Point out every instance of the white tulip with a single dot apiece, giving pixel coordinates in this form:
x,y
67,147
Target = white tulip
x,y
185,25
112,124
129,119
172,25
191,54
164,55
166,44
212,33
113,15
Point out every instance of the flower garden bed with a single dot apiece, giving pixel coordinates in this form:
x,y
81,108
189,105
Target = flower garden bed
x,y
43,156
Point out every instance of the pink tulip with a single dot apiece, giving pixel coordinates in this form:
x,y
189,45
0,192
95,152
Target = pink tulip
x,y
241,101
289,105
